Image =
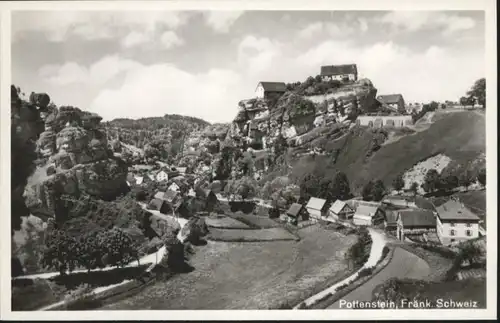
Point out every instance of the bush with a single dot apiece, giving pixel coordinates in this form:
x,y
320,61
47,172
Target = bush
x,y
140,196
359,252
302,306
365,272
385,251
341,287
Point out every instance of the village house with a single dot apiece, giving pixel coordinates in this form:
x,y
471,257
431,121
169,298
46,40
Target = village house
x,y
161,176
268,90
317,208
159,205
296,212
174,187
390,221
208,197
340,210
181,170
393,101
456,223
169,196
368,214
414,222
139,180
131,180
339,72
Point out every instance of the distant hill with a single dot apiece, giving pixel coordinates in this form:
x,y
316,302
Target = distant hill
x,y
154,123
167,133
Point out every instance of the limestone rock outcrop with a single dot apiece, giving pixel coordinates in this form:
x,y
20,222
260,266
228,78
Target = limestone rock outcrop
x,y
298,117
72,151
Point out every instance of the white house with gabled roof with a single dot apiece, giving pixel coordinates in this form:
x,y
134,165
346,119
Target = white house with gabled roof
x,y
456,223
340,210
316,208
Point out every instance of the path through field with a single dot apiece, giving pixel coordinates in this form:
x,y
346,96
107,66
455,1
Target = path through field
x,y
404,264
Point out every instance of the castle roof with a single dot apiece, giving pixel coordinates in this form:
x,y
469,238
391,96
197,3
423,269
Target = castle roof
x,y
339,69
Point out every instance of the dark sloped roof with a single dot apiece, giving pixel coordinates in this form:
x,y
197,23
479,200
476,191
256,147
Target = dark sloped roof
x,y
156,204
417,218
339,69
274,86
294,209
454,210
391,217
170,195
390,98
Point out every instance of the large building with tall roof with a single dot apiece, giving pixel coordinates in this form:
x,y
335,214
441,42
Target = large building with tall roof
x,y
456,223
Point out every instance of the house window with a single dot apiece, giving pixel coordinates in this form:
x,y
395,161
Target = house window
x,y
469,225
452,232
468,233
452,224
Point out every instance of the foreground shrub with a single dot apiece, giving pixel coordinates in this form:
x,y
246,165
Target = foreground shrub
x,y
365,272
359,252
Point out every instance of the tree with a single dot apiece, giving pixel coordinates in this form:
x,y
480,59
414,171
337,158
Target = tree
x,y
280,146
140,195
31,249
224,165
481,177
245,165
117,247
309,186
478,92
246,188
470,252
290,194
465,179
367,191
433,105
61,252
464,101
449,182
414,188
432,181
340,187
378,190
398,183
90,252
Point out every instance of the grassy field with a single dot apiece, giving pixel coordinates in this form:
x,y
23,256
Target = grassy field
x,y
253,221
459,291
260,275
31,294
438,264
239,235
225,222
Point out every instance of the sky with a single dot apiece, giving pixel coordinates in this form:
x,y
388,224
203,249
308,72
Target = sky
x,y
134,64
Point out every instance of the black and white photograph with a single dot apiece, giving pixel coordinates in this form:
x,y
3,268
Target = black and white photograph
x,y
249,158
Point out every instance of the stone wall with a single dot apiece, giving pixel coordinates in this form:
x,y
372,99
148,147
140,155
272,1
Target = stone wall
x,y
384,121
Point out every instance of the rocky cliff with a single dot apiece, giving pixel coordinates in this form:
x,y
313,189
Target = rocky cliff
x,y
72,155
300,118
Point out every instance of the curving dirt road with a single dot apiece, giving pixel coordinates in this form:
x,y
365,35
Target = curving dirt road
x,y
404,264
